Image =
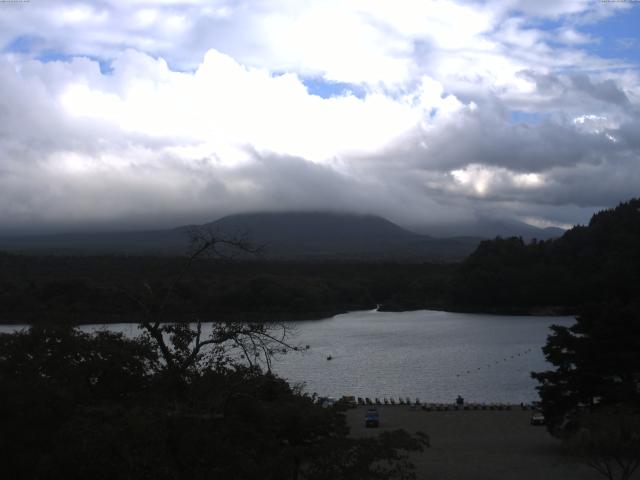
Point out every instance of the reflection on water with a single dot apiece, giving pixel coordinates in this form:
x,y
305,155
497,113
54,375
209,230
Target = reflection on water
x,y
431,355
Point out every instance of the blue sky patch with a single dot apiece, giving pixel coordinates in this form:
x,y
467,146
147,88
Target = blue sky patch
x,y
33,45
615,37
326,89
619,35
25,44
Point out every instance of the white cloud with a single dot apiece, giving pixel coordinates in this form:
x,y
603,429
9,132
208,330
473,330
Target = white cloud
x,y
571,36
205,109
590,123
483,180
223,102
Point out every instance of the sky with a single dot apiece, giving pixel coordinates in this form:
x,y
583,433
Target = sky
x,y
156,113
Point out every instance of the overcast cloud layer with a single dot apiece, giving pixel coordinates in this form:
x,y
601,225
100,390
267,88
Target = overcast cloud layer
x,y
156,112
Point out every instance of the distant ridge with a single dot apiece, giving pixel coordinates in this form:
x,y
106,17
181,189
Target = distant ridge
x,y
490,228
327,234
284,235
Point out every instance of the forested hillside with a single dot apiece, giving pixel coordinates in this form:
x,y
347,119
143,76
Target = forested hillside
x,y
587,264
96,288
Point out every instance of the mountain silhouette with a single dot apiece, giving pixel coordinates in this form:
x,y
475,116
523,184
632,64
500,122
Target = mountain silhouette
x,y
282,235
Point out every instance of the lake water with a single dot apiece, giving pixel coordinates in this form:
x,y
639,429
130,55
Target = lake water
x,y
427,354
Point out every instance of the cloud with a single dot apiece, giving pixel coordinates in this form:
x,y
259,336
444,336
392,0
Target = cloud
x,y
161,112
606,91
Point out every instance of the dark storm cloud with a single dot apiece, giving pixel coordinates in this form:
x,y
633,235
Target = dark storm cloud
x,y
606,91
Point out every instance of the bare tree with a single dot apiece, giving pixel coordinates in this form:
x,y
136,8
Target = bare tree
x,y
184,347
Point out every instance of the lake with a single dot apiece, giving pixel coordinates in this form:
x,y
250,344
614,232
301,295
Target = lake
x,y
427,354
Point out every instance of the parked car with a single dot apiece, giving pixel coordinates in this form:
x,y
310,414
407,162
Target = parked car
x,y
537,419
371,418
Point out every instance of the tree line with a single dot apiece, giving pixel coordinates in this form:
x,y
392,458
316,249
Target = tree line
x,y
54,289
588,264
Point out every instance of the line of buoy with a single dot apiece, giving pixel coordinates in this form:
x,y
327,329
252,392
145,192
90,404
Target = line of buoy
x,y
429,406
387,401
520,354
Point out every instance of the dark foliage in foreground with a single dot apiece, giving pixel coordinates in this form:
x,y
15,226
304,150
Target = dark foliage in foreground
x,y
100,406
592,398
597,364
609,441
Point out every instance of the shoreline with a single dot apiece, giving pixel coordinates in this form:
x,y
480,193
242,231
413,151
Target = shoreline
x,y
540,311
287,317
477,445
250,317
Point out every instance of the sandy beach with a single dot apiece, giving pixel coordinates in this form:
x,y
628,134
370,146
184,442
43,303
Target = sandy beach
x,y
479,445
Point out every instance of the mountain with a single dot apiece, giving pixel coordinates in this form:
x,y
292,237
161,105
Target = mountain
x,y
325,234
152,241
491,228
283,235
